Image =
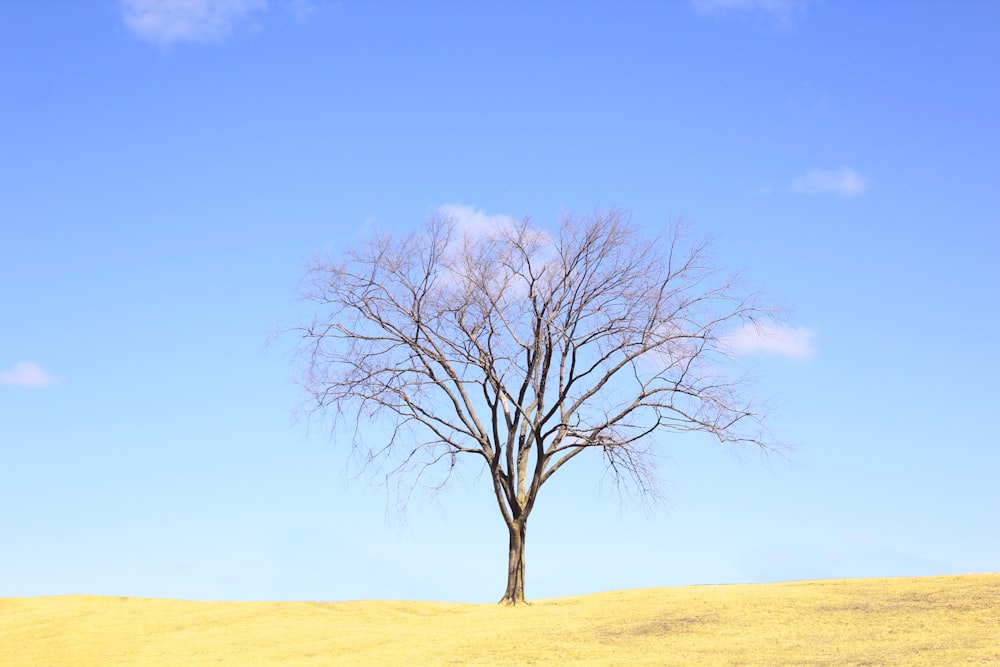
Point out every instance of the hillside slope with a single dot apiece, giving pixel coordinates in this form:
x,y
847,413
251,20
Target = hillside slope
x,y
952,620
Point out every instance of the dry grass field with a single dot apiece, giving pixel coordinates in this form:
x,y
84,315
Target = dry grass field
x,y
949,621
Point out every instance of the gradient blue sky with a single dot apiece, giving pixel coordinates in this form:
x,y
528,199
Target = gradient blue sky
x,y
169,166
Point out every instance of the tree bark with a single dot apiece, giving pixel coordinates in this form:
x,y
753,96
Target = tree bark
x,y
515,565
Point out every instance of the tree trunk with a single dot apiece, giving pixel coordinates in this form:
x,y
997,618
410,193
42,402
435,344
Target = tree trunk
x,y
515,565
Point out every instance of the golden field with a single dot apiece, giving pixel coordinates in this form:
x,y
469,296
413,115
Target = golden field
x,y
953,620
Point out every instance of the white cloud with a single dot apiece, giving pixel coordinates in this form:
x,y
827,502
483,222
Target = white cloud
x,y
301,10
844,182
26,374
473,226
783,11
166,21
781,339
474,223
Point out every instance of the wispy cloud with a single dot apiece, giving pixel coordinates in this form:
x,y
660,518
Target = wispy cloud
x,y
844,182
301,10
780,339
475,223
782,11
26,374
166,21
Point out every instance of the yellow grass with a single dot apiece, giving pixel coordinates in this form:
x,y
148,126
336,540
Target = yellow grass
x,y
907,621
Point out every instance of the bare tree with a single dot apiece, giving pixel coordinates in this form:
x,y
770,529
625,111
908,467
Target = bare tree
x,y
528,348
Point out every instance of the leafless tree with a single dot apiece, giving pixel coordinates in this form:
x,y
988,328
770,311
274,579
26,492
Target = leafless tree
x,y
526,348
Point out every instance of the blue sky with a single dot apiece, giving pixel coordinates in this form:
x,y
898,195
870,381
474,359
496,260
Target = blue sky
x,y
169,167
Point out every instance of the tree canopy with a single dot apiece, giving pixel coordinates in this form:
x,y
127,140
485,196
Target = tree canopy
x,y
526,348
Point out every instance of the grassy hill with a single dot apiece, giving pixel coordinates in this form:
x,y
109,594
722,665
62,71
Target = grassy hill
x,y
949,621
